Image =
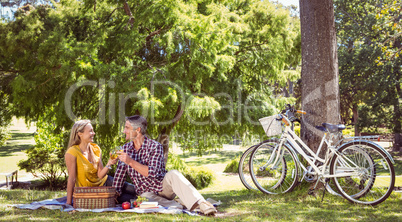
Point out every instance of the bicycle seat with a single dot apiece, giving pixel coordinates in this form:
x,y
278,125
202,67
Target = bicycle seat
x,y
326,127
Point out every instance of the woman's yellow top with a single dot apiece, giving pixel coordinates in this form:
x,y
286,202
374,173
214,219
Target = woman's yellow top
x,y
87,172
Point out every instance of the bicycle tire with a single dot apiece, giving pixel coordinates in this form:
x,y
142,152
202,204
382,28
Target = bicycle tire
x,y
376,178
244,172
280,175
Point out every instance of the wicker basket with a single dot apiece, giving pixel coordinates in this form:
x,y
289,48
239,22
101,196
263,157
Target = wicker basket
x,y
271,125
94,197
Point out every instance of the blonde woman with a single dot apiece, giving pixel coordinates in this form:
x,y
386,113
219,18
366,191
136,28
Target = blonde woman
x,y
84,163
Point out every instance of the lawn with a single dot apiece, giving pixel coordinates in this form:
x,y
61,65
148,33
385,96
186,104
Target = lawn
x,y
13,151
238,204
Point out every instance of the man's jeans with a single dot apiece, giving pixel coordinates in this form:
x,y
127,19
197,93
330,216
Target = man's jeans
x,y
128,190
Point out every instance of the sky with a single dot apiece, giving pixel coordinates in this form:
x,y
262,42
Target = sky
x,y
289,2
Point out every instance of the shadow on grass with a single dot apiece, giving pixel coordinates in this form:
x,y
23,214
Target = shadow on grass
x,y
220,156
14,144
398,167
20,136
11,148
299,206
27,196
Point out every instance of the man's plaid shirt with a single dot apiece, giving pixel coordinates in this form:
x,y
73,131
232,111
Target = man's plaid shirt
x,y
150,154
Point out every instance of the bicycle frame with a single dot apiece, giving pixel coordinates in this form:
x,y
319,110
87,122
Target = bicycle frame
x,y
361,170
289,137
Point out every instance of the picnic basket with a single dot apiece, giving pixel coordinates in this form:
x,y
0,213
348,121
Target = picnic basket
x,y
272,126
94,197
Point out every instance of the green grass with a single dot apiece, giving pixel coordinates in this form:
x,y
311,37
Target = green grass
x,y
238,205
13,151
398,166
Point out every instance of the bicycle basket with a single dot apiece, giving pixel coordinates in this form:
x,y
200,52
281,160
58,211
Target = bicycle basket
x,y
271,125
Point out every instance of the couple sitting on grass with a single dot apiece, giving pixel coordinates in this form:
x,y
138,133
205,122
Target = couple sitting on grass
x,y
142,159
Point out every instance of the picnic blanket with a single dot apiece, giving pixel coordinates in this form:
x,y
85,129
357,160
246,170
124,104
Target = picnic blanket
x,y
60,204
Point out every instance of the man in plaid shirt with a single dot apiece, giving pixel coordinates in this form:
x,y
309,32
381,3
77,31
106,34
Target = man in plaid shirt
x,y
143,160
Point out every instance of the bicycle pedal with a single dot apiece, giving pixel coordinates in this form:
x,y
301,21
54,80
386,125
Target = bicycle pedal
x,y
311,192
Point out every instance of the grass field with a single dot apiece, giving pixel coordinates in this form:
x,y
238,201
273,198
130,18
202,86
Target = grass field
x,y
238,204
13,151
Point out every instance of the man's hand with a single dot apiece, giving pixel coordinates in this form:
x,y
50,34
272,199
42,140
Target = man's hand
x,y
124,157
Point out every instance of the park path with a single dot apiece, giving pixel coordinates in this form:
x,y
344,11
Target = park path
x,y
13,151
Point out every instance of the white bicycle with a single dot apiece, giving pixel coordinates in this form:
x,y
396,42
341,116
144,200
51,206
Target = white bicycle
x,y
361,170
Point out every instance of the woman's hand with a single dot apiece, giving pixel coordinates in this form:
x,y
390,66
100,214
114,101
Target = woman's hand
x,y
111,161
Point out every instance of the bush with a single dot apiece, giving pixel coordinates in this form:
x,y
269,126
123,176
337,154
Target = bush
x,y
200,177
176,163
5,118
349,131
4,135
46,158
297,130
233,166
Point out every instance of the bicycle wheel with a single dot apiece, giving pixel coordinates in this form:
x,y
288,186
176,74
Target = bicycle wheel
x,y
244,169
273,168
373,176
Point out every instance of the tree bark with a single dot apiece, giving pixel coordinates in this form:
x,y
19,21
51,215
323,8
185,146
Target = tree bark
x,y
355,110
127,10
163,137
320,80
397,116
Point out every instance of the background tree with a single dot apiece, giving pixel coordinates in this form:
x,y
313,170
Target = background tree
x,y
369,79
204,71
319,74
389,16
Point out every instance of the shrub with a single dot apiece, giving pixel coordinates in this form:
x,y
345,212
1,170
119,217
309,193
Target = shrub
x,y
349,131
5,118
233,166
176,163
4,135
200,177
46,158
297,130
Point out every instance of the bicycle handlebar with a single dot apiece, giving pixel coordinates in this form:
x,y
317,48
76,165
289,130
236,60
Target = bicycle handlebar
x,y
301,111
289,113
293,110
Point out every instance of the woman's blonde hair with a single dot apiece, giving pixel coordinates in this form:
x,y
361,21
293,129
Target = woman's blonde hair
x,y
76,140
78,127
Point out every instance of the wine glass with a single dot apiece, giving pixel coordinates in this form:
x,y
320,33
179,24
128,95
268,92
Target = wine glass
x,y
113,154
118,149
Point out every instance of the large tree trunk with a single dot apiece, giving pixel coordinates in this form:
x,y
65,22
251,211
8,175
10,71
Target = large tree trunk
x,y
320,80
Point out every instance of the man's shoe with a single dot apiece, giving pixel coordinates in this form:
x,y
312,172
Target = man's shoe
x,y
207,208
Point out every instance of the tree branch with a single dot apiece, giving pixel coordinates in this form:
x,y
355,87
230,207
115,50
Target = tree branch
x,y
350,17
128,12
152,34
251,46
113,12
